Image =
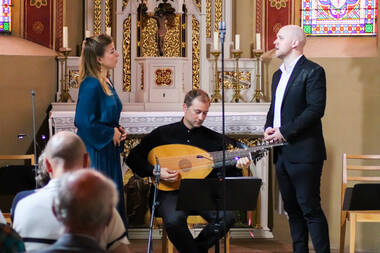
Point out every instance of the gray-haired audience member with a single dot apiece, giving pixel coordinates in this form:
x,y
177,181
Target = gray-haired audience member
x,y
84,204
42,177
65,152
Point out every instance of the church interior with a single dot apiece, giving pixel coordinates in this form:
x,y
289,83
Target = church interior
x,y
168,47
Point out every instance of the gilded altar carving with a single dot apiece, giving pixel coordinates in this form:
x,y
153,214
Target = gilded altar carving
x,y
127,54
108,12
195,52
230,76
208,18
97,16
163,77
250,141
160,33
148,43
74,78
172,42
38,3
125,3
142,77
198,4
130,143
218,14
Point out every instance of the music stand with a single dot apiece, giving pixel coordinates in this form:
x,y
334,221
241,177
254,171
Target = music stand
x,y
208,194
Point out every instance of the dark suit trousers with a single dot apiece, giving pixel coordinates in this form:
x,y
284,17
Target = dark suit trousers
x,y
300,189
175,222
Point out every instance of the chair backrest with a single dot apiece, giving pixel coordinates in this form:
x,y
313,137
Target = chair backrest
x,y
360,169
19,157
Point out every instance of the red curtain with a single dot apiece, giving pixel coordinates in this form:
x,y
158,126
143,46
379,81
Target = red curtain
x,y
39,22
278,14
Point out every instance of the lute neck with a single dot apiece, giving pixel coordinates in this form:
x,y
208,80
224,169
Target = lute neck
x,y
233,155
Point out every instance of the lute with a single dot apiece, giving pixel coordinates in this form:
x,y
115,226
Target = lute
x,y
195,163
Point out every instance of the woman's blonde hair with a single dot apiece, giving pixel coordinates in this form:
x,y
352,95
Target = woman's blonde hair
x,y
92,48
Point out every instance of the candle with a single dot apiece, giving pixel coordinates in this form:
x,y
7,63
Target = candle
x,y
108,31
65,42
216,41
87,34
237,41
258,41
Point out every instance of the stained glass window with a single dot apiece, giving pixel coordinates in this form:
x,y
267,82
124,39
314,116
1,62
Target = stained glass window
x,y
5,15
339,17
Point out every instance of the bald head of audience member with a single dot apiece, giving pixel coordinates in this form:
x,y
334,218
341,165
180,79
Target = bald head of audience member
x,y
84,202
290,42
65,152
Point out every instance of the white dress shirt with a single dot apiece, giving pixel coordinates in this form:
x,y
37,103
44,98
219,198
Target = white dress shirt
x,y
280,91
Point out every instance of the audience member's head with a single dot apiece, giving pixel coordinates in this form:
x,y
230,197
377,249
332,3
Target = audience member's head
x,y
42,177
85,201
65,152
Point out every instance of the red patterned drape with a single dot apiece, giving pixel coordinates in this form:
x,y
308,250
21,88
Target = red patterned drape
x,y
278,14
39,21
59,24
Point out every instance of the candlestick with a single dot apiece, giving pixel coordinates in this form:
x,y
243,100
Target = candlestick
x,y
65,42
237,96
237,41
216,41
62,58
259,95
216,97
258,41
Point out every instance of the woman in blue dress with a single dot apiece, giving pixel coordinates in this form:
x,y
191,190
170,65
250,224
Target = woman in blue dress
x,y
98,111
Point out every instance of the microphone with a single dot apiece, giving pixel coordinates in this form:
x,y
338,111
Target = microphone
x,y
157,171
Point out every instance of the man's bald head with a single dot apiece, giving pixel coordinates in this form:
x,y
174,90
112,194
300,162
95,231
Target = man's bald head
x,y
289,43
296,33
66,151
85,200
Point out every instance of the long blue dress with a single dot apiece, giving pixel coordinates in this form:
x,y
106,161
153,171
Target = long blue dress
x,y
96,116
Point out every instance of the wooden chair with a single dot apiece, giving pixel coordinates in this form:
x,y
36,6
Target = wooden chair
x,y
18,157
192,221
365,173
7,217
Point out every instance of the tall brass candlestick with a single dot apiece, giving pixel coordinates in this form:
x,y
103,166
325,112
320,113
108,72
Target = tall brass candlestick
x,y
259,95
62,58
236,81
216,97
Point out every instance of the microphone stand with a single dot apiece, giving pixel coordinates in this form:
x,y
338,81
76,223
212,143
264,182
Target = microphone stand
x,y
156,173
222,173
34,135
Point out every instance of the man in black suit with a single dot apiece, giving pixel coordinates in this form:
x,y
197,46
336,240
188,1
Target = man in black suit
x,y
298,104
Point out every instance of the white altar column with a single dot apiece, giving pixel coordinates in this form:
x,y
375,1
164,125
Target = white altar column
x,y
228,19
203,65
89,15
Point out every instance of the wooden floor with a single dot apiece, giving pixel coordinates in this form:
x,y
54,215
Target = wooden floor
x,y
237,246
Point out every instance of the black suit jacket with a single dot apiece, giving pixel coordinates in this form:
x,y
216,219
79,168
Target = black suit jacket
x,y
303,106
